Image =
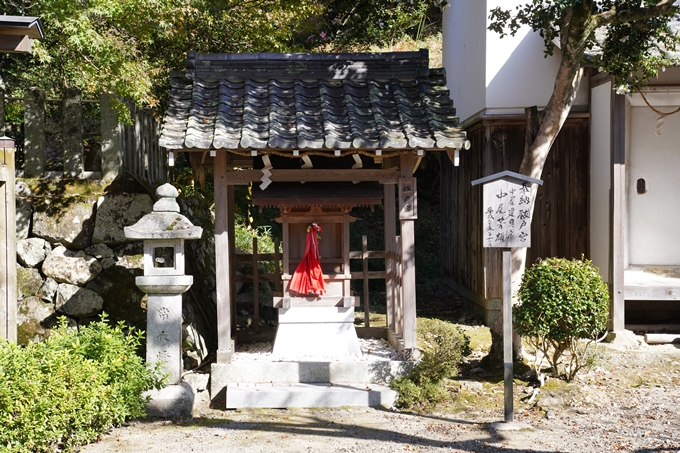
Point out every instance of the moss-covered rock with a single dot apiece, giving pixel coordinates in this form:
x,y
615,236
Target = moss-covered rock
x,y
29,282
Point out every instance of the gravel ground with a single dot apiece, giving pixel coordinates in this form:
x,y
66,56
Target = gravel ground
x,y
629,402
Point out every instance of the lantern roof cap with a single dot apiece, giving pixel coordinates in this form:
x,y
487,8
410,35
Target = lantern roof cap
x,y
164,222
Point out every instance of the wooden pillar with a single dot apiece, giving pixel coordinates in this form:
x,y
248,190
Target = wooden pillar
x,y
390,249
72,132
8,266
346,283
222,260
618,213
2,109
34,130
409,269
112,149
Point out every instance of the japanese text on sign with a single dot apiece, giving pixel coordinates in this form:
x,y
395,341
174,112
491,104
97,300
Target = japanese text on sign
x,y
507,214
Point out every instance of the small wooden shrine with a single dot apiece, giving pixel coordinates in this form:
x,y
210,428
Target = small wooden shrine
x,y
316,135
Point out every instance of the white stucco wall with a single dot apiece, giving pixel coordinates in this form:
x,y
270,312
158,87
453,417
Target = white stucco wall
x,y
493,75
653,217
463,50
600,176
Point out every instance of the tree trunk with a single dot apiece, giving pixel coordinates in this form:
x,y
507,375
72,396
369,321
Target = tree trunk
x,y
542,130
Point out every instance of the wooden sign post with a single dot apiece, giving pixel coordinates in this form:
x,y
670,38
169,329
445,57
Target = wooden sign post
x,y
506,224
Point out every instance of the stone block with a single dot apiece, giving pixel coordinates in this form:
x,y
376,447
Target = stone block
x,y
172,402
74,228
78,302
325,339
116,211
308,395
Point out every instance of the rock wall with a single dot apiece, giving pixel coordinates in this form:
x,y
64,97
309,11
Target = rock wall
x,y
73,261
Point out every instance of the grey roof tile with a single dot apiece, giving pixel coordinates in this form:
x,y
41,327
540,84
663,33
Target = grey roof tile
x,y
310,101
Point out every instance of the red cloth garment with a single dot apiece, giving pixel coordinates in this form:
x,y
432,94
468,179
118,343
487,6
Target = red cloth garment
x,y
308,277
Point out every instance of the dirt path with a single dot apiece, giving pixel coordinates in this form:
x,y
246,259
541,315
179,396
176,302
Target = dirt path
x,y
629,402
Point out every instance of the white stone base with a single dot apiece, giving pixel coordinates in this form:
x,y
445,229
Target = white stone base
x,y
314,331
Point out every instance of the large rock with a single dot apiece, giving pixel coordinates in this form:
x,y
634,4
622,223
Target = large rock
x,y
48,290
34,317
103,253
66,266
24,213
78,302
116,211
29,282
121,297
32,251
70,224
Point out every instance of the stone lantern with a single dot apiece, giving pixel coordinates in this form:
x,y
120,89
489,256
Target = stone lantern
x,y
164,231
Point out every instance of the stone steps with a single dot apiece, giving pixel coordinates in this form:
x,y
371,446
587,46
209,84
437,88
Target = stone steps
x,y
305,384
307,395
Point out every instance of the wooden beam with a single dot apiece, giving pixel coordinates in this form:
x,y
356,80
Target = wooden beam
x,y
618,213
222,260
243,177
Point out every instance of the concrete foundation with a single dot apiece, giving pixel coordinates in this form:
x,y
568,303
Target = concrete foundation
x,y
316,331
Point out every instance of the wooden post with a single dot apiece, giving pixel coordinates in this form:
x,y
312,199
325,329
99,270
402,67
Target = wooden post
x,y
34,130
8,266
507,334
399,293
347,282
409,267
277,265
72,133
364,262
256,286
231,276
618,214
112,157
222,260
390,246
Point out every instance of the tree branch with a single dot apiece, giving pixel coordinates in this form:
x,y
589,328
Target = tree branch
x,y
614,16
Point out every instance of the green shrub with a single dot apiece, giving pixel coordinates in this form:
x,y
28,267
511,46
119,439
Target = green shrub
x,y
68,390
443,347
563,307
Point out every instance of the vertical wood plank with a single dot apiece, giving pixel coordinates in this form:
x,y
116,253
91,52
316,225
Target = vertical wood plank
x,y
222,260
256,286
409,266
390,245
232,254
364,262
346,284
8,268
277,265
618,213
399,292
286,244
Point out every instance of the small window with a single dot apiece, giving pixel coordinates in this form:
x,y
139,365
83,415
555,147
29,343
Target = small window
x,y
164,257
641,186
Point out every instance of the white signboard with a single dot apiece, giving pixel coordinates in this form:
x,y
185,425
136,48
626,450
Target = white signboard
x,y
506,210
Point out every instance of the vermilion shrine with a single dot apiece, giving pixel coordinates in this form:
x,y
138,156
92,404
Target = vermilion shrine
x,y
316,135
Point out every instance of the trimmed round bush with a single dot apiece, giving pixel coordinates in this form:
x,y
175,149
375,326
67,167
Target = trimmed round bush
x,y
561,302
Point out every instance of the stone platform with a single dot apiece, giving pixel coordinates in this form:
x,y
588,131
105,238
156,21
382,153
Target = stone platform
x,y
262,379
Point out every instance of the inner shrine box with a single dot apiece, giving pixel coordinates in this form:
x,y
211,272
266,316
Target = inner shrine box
x,y
317,324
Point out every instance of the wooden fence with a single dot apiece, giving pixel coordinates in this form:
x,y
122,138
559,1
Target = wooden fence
x,y
122,149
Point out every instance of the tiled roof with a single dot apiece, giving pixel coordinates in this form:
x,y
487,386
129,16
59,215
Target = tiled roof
x,y
305,102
